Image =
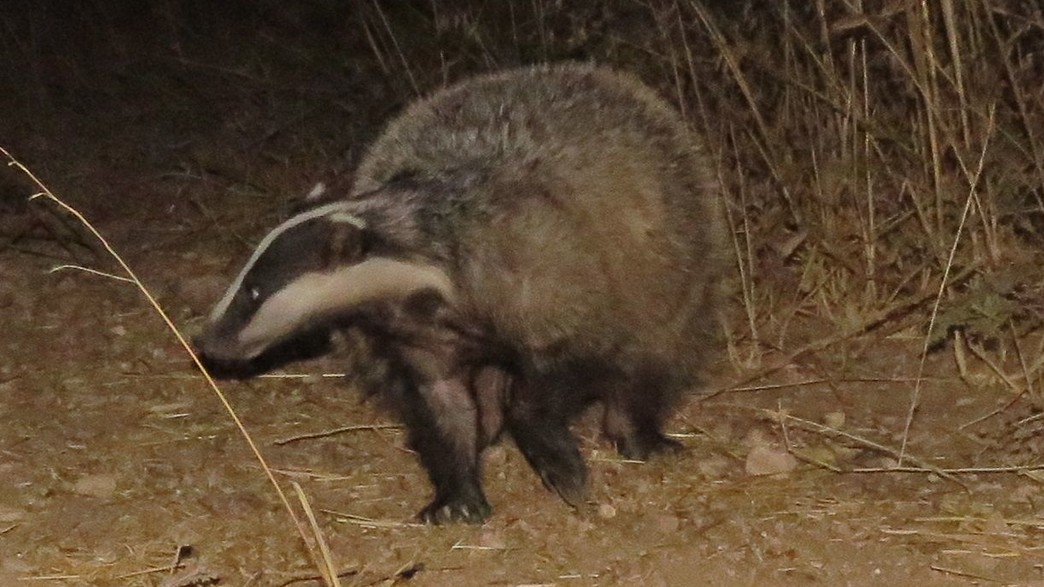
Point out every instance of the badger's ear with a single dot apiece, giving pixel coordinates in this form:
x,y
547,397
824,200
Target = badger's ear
x,y
331,189
347,240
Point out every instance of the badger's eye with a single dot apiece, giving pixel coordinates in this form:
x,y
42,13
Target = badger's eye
x,y
254,292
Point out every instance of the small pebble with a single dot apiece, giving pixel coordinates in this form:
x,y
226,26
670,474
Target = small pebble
x,y
100,486
834,419
766,460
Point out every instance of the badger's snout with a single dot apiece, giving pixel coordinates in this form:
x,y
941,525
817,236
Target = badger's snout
x,y
219,343
225,358
220,358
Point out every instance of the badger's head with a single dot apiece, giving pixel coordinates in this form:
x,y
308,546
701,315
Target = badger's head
x,y
308,273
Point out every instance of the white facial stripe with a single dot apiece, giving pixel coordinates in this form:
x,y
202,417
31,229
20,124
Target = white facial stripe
x,y
316,294
348,219
338,209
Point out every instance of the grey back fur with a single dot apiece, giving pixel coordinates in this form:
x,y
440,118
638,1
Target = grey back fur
x,y
585,214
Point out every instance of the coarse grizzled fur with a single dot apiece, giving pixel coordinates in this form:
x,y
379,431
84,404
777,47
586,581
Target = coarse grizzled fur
x,y
515,247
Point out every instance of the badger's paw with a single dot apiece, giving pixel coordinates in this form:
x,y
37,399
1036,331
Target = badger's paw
x,y
639,447
553,453
469,508
567,479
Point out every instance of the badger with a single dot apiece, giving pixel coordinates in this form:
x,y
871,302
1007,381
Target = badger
x,y
515,247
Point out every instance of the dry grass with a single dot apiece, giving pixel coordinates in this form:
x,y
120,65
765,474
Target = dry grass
x,y
320,553
883,170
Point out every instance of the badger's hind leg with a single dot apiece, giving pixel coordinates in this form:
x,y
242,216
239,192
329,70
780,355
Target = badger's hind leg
x,y
537,416
635,410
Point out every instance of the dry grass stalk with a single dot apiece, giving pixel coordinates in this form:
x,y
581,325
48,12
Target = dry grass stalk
x,y
885,110
973,187
780,416
328,569
369,522
335,431
895,313
46,193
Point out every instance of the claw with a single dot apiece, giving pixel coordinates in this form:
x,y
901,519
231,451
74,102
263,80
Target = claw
x,y
640,448
572,490
470,510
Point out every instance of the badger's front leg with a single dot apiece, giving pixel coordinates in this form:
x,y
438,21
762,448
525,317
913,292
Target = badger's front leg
x,y
538,419
442,420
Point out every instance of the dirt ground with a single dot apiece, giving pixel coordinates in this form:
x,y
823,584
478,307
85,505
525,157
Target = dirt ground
x,y
118,466
115,455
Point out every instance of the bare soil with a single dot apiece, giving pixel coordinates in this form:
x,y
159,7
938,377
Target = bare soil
x,y
114,455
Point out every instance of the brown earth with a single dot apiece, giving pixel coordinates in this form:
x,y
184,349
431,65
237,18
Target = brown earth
x,y
114,455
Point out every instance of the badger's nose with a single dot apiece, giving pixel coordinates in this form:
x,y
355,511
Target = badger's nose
x,y
224,368
200,342
208,349
199,351
195,344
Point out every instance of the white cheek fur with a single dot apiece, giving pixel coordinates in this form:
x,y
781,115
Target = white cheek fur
x,y
313,296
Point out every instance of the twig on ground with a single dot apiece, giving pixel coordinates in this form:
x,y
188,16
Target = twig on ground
x,y
815,427
341,430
